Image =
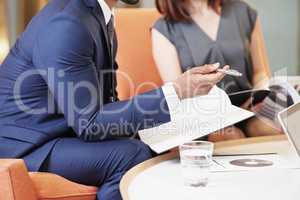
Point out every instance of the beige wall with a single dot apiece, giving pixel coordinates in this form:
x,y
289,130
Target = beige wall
x,y
4,46
14,15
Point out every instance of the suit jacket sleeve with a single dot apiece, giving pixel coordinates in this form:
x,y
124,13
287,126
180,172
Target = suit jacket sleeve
x,y
63,54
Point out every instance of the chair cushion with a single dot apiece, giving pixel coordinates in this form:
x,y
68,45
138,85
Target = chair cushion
x,y
53,187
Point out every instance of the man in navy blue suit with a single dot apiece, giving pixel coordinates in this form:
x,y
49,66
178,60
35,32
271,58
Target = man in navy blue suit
x,y
59,109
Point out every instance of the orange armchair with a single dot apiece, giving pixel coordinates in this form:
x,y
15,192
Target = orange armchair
x,y
17,184
137,71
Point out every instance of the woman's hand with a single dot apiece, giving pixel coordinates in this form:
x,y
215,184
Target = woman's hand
x,y
198,81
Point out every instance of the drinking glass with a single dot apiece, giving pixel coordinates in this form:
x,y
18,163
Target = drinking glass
x,y
196,160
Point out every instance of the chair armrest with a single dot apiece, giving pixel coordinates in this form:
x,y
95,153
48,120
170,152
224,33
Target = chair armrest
x,y
15,183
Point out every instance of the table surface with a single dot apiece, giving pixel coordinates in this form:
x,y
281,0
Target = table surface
x,y
160,177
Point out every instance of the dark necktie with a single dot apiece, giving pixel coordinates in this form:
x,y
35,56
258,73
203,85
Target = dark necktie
x,y
110,33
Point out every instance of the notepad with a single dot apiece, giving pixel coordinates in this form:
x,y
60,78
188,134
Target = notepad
x,y
195,118
259,95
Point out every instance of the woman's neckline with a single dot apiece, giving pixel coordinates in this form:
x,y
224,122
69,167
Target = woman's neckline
x,y
214,40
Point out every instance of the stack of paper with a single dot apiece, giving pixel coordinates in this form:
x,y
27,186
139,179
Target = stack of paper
x,y
195,118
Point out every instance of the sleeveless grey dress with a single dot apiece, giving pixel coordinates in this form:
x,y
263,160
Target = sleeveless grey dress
x,y
232,46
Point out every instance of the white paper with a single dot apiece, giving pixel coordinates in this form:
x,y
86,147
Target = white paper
x,y
195,118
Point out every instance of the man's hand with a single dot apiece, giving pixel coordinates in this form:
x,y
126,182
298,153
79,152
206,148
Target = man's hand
x,y
198,81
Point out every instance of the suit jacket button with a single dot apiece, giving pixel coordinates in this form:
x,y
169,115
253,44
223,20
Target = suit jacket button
x,y
94,128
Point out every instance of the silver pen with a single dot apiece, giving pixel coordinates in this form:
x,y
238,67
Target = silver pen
x,y
230,72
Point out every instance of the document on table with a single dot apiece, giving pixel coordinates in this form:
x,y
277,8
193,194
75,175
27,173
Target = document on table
x,y
195,118
254,162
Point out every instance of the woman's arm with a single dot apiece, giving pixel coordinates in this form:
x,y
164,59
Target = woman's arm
x,y
165,56
260,61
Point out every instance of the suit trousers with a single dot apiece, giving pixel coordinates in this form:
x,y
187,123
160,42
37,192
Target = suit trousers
x,y
100,164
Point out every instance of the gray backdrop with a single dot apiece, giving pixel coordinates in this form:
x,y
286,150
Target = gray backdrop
x,y
281,24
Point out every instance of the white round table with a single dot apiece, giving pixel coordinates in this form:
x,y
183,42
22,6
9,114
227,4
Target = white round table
x,y
161,177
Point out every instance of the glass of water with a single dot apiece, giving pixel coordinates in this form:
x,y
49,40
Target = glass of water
x,y
196,160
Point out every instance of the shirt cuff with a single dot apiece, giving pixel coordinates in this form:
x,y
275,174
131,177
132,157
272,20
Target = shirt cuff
x,y
172,99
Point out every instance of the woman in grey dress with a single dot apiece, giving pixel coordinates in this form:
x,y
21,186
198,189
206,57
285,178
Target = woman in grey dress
x,y
197,32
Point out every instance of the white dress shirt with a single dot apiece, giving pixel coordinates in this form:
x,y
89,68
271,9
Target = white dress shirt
x,y
107,12
168,88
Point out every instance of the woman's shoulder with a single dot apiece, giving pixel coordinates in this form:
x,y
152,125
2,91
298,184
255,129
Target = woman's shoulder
x,y
239,5
165,27
163,22
246,14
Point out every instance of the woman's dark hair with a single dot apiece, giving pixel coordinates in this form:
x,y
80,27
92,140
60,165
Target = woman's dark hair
x,y
178,10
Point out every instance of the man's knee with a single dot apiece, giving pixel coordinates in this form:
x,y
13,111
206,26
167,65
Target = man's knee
x,y
140,150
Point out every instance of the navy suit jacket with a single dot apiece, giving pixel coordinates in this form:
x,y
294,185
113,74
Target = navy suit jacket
x,y
57,82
